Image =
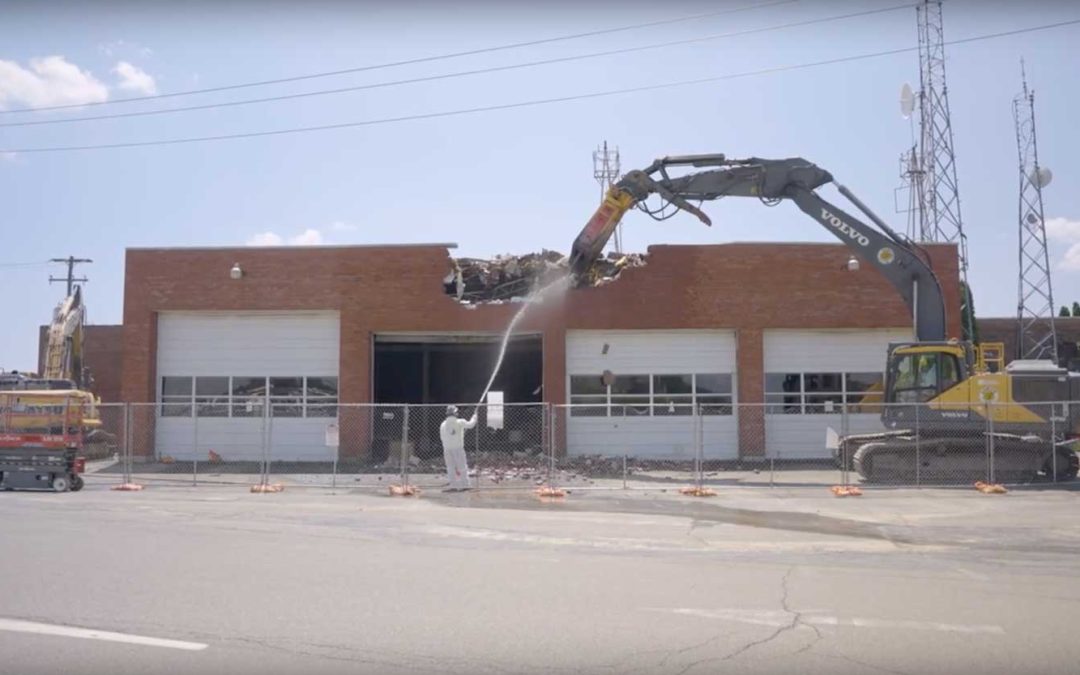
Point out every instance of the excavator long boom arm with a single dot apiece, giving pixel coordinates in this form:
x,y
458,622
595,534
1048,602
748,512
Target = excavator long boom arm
x,y
794,179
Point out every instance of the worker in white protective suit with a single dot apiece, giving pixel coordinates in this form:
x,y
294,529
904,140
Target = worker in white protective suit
x,y
452,434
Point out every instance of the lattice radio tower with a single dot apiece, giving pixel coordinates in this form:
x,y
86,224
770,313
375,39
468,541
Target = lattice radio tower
x,y
929,168
606,172
1036,334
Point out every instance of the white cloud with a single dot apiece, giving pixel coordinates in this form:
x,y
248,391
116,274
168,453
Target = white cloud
x,y
1063,229
7,156
340,226
48,81
309,237
1071,260
133,78
265,239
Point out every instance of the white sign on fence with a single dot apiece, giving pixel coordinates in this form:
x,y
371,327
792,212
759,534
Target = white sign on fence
x,y
331,435
495,410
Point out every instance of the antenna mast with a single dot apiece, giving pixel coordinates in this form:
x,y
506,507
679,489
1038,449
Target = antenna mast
x,y
1036,333
929,168
606,172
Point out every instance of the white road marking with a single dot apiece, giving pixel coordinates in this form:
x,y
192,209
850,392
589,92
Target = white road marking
x,y
18,626
778,618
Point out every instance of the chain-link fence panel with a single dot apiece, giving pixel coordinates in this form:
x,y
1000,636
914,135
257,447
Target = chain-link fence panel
x,y
769,445
626,446
354,446
505,447
1027,443
105,446
920,445
302,444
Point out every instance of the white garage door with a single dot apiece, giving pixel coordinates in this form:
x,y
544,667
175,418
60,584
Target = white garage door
x,y
659,377
808,377
236,383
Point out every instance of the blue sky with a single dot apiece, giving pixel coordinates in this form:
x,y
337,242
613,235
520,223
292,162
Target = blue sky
x,y
494,182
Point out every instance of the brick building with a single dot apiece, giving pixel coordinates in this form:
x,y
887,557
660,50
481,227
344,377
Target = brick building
x,y
787,324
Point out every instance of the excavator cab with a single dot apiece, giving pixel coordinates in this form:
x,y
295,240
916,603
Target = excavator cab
x,y
921,376
921,372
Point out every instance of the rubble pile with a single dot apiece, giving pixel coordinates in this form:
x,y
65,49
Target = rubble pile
x,y
509,278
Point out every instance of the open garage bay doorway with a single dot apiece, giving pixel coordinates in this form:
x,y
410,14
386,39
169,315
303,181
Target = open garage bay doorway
x,y
431,371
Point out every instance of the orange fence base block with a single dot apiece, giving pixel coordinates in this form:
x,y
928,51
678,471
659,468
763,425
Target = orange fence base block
x,y
696,491
547,492
990,488
127,487
846,491
404,491
265,487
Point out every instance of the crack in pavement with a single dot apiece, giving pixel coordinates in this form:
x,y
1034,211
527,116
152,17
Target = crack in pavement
x,y
864,664
796,622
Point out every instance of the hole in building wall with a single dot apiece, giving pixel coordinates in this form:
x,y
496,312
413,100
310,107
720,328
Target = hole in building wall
x,y
509,278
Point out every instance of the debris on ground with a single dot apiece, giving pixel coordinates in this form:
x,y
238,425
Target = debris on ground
x,y
846,491
990,488
509,278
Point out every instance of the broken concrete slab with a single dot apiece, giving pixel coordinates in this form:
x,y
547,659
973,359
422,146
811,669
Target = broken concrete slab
x,y
508,278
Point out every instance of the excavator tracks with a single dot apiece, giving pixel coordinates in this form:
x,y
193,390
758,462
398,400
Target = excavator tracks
x,y
958,460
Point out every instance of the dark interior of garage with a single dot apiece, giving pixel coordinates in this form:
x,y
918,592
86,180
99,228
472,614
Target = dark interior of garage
x,y
439,370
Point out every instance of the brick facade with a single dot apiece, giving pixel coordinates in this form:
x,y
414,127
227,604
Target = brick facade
x,y
748,288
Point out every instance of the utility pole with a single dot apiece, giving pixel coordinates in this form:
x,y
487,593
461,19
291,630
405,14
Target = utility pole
x,y
606,172
71,279
1037,337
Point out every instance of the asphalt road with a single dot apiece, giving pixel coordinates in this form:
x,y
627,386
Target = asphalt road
x,y
753,581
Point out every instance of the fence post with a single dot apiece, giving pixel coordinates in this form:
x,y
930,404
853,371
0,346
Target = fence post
x,y
845,425
264,470
990,442
553,431
1053,444
404,445
918,448
195,450
125,457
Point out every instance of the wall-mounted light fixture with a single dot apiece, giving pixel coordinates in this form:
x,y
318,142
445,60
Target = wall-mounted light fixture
x,y
853,264
236,272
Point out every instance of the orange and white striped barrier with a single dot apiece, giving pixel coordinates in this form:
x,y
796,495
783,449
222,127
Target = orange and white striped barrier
x,y
267,487
127,487
697,491
548,492
846,491
990,488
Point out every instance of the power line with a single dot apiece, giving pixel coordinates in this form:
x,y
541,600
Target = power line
x,y
24,264
406,62
447,76
535,102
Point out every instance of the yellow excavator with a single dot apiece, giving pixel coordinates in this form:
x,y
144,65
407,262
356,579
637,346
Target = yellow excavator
x,y
945,402
46,422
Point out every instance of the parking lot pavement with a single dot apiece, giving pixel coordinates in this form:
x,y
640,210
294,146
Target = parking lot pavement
x,y
321,581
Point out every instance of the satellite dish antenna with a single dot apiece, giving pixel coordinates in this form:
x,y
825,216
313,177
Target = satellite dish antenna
x,y
1042,176
907,101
